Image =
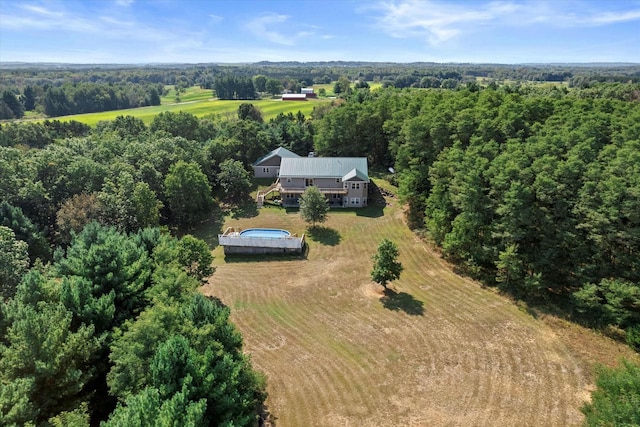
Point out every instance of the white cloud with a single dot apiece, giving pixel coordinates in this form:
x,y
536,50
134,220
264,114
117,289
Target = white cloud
x,y
215,18
438,22
612,17
262,27
36,18
434,21
41,11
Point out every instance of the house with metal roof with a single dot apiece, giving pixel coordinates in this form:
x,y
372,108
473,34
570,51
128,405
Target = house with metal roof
x,y
268,166
343,180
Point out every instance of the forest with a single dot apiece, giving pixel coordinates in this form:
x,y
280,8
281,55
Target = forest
x,y
533,189
66,89
126,335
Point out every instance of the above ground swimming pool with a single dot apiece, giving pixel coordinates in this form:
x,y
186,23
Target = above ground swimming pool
x,y
270,233
260,241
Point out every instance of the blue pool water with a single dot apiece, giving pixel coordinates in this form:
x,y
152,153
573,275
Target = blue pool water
x,y
271,233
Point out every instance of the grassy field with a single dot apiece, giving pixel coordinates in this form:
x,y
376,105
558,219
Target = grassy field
x,y
199,103
437,349
328,87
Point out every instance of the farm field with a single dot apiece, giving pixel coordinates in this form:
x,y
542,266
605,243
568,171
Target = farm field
x,y
438,349
199,103
328,87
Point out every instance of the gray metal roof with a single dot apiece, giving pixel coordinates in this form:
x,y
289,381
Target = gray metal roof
x,y
355,173
280,152
324,167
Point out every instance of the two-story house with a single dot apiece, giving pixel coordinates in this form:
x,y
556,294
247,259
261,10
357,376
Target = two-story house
x,y
343,180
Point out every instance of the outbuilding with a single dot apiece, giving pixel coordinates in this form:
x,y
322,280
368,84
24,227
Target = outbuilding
x,y
294,96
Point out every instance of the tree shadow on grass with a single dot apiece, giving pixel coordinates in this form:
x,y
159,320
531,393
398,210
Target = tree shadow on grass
x,y
206,230
324,235
371,211
246,208
395,301
267,418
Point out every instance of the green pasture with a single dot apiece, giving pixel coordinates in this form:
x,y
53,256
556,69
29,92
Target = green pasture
x,y
199,102
194,93
328,87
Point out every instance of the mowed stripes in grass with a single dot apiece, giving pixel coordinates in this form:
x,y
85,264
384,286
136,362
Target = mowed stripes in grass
x,y
437,350
270,108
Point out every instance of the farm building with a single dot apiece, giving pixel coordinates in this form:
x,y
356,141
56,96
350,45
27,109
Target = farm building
x,y
294,96
308,91
268,166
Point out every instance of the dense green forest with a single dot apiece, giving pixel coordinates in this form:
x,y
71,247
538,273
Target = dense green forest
x,y
77,98
531,188
534,190
99,309
72,89
113,328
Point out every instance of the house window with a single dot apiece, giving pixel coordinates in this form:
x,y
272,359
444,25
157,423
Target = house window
x,y
355,200
265,170
345,201
338,180
308,182
288,179
355,185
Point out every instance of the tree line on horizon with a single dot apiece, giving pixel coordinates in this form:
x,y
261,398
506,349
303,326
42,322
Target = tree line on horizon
x,y
70,89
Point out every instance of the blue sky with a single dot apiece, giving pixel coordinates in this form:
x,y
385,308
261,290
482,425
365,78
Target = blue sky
x,y
200,31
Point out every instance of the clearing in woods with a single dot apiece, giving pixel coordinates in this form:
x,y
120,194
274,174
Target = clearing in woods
x,y
199,102
438,349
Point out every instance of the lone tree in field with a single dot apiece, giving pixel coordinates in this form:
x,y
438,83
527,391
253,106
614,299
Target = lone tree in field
x,y
386,266
313,206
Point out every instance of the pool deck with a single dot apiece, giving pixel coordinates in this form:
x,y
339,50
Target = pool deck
x,y
234,242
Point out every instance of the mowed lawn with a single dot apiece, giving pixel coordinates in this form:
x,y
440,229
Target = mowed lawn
x,y
199,102
437,350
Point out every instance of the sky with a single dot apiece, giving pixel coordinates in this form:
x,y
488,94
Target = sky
x,y
241,31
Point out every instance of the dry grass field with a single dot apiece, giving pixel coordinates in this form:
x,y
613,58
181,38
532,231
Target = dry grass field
x,y
438,349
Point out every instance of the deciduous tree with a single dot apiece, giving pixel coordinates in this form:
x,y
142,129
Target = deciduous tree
x,y
195,257
313,206
234,180
14,261
386,266
188,193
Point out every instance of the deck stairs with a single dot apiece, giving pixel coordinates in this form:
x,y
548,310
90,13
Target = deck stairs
x,y
264,193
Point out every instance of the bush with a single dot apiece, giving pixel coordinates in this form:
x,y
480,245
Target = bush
x,y
616,401
633,337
